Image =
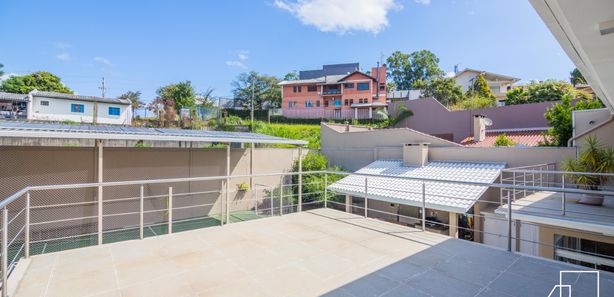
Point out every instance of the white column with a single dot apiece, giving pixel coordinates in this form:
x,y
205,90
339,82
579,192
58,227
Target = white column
x,y
227,183
100,179
356,113
370,112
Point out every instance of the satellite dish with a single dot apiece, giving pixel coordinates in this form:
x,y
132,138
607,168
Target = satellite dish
x,y
487,122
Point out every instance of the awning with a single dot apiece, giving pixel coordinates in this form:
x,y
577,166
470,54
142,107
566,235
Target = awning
x,y
108,132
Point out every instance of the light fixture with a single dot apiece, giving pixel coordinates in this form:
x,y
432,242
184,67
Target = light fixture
x,y
606,27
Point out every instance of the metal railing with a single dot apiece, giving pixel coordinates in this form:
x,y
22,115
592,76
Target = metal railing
x,y
96,213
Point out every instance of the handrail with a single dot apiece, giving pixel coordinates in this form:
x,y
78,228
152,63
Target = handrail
x,y
529,166
561,172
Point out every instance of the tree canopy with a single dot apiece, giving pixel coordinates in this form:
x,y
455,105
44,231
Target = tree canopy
x,y
444,89
549,90
559,117
480,88
407,70
292,75
1,71
135,99
265,89
182,94
40,80
576,77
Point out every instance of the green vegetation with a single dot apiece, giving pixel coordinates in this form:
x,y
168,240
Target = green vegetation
x,y
559,118
444,89
243,186
408,71
310,133
596,158
135,99
549,90
40,80
503,140
576,77
182,94
264,88
391,121
473,102
313,184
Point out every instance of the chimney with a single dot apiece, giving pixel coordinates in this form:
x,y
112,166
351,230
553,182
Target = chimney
x,y
479,127
416,154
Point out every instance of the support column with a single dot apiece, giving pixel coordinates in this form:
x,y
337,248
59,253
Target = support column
x,y
355,113
348,203
251,166
300,180
370,112
453,222
227,183
477,223
99,179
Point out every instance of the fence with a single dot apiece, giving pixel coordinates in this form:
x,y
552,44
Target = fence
x,y
33,222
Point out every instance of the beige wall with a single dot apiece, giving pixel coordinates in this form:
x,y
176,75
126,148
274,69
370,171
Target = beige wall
x,y
512,156
547,233
23,166
584,120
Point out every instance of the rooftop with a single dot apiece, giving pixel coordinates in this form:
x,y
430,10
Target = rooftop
x,y
13,96
46,130
316,253
522,137
385,185
36,93
489,75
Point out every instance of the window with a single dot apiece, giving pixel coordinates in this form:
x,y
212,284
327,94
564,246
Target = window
x,y
114,111
308,103
45,103
325,103
382,87
363,86
312,88
348,85
77,108
296,89
351,101
575,250
345,102
317,103
360,101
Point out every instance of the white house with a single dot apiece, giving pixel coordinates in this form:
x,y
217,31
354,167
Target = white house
x,y
499,84
59,107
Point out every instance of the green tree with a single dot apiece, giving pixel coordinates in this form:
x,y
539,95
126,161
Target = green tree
x,y
292,75
40,80
474,102
559,117
480,88
503,140
444,89
1,71
517,95
549,90
265,89
576,77
313,184
135,99
182,94
407,70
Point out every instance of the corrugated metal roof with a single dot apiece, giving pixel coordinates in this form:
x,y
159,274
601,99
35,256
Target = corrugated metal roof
x,y
13,96
79,97
45,130
388,186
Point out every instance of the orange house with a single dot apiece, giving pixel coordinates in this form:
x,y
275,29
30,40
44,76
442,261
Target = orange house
x,y
339,91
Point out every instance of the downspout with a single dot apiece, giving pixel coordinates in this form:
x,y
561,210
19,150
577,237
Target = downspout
x,y
573,138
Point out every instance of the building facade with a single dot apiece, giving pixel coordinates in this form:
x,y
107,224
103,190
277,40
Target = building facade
x,y
58,107
339,91
499,84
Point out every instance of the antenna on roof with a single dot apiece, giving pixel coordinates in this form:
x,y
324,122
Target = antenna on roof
x,y
487,122
103,88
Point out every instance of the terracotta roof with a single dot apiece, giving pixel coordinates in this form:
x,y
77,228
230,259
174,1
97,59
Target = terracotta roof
x,y
521,137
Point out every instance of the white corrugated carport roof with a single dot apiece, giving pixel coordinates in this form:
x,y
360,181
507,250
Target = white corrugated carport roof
x,y
107,132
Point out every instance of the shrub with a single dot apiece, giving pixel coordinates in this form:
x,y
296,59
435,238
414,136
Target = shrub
x,y
503,140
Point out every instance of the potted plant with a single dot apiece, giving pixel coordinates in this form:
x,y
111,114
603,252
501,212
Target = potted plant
x,y
594,158
242,187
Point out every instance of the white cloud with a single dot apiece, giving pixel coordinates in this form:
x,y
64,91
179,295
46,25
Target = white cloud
x,y
104,60
243,55
63,56
236,64
6,76
341,16
450,74
62,45
423,2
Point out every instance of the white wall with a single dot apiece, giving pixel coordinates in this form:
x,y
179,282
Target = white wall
x,y
464,80
60,110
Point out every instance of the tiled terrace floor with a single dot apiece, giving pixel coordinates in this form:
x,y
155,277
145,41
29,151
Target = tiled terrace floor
x,y
320,252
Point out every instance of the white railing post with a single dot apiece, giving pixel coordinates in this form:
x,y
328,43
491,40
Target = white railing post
x,y
423,206
281,195
27,227
272,203
170,210
509,220
366,198
541,176
524,183
300,180
141,211
563,210
5,254
255,194
100,215
325,190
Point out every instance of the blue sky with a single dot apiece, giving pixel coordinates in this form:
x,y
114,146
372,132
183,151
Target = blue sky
x,y
142,45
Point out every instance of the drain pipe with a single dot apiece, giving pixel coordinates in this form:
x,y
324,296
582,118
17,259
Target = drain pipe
x,y
572,139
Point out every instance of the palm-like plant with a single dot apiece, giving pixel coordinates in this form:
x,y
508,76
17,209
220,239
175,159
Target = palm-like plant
x,y
595,158
391,121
